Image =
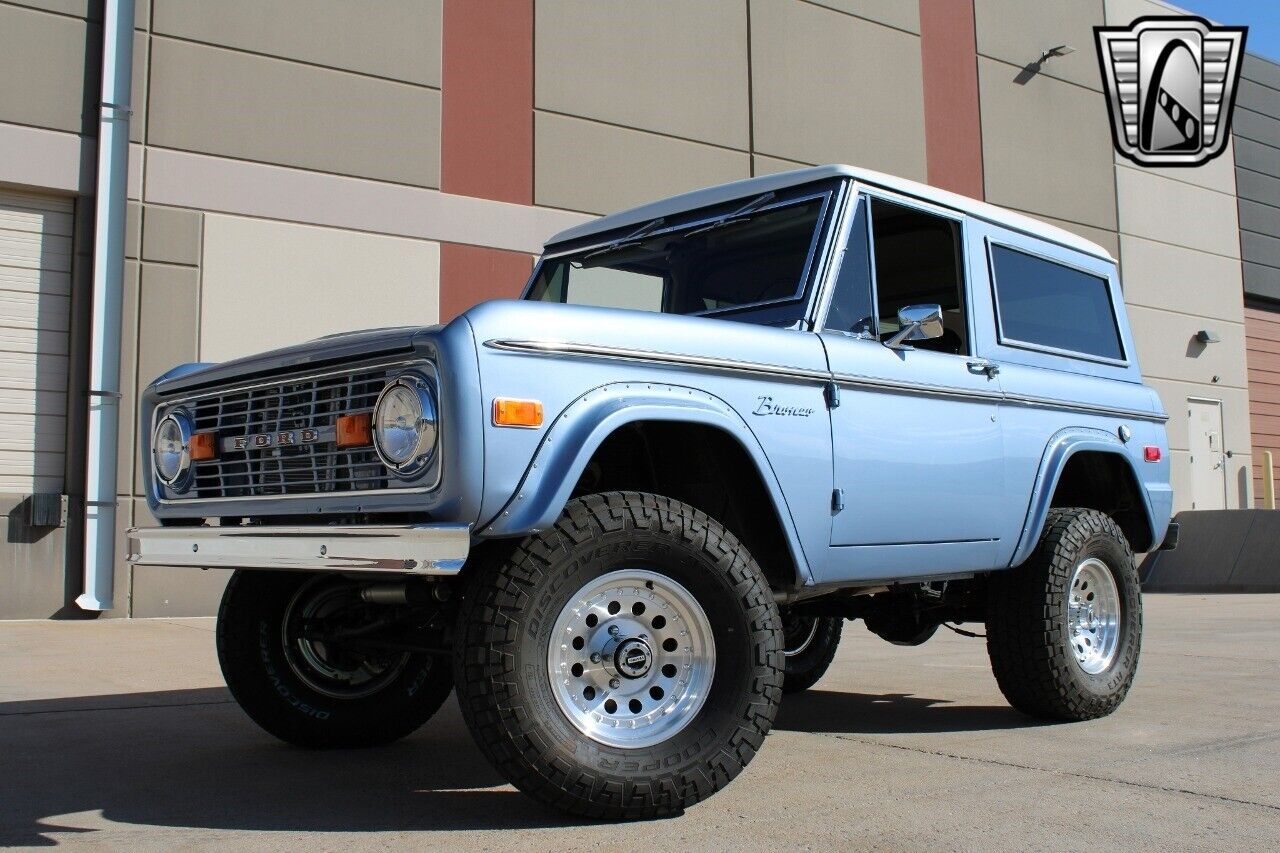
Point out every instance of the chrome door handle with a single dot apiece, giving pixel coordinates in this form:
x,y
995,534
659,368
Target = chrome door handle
x,y
981,365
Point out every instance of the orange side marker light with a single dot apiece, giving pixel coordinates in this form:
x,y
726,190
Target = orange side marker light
x,y
516,413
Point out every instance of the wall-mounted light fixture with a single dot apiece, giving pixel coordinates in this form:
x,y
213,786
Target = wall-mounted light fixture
x,y
1208,336
1060,50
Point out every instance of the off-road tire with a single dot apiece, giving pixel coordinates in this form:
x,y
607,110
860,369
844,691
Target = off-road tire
x,y
251,651
805,667
501,658
1027,633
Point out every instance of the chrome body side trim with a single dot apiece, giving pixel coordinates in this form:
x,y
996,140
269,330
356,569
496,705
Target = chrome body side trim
x,y
777,371
425,549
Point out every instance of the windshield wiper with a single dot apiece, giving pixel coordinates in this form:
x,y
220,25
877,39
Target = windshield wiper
x,y
737,216
627,242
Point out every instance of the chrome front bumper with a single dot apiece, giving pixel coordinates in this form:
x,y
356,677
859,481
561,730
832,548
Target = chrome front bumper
x,y
427,549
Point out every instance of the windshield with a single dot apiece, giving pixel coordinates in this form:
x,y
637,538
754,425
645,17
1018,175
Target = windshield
x,y
750,263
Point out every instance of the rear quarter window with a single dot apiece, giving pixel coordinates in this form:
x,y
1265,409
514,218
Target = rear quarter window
x,y
1044,304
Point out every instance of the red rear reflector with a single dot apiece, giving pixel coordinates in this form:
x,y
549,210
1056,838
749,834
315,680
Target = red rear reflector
x,y
355,430
204,445
1151,454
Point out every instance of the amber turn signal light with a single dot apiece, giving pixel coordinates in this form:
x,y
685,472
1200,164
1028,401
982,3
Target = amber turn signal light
x,y
204,445
516,413
355,430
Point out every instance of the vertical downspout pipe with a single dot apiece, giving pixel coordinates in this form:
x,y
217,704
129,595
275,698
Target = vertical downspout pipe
x,y
108,294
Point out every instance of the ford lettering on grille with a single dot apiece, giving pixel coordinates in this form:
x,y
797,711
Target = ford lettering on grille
x,y
285,438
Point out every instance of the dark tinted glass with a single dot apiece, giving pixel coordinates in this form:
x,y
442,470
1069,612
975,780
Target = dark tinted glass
x,y
1050,305
851,302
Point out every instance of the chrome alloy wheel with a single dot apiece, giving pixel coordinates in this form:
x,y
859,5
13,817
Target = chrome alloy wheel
x,y
631,658
327,668
1093,616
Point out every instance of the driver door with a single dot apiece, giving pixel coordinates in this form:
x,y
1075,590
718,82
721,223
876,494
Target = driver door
x,y
918,450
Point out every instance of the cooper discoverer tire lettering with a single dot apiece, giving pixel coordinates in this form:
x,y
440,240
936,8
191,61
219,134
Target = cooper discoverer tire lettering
x,y
309,695
660,572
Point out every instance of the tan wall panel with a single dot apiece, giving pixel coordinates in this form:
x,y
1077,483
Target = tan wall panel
x,y
1159,275
270,284
1218,174
1018,31
171,235
832,88
44,66
1046,147
903,14
1167,349
1108,240
1175,212
399,39
168,325
773,165
236,104
1122,12
668,66
127,435
595,168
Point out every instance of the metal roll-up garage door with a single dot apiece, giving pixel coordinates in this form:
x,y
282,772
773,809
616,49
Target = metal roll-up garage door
x,y
35,314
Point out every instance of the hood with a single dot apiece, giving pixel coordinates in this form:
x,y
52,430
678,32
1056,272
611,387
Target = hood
x,y
645,332
334,349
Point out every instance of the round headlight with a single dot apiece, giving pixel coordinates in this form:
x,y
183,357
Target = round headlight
x,y
404,425
170,448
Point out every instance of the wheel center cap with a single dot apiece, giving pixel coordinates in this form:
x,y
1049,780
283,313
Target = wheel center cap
x,y
633,658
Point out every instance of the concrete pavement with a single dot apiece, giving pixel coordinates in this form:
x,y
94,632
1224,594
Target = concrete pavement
x,y
120,733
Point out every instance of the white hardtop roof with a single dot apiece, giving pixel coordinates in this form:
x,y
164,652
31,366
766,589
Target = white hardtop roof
x,y
783,180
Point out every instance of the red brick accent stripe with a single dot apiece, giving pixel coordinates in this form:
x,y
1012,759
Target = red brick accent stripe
x,y
952,123
486,145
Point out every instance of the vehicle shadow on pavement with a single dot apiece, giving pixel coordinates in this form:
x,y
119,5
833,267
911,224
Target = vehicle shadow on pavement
x,y
192,759
833,712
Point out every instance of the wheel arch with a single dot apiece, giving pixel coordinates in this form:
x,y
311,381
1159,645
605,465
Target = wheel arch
x,y
1090,468
593,424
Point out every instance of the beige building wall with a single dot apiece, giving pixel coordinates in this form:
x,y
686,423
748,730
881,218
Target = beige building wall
x,y
1180,261
634,101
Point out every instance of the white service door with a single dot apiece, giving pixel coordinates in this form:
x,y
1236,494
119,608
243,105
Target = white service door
x,y
35,313
1208,457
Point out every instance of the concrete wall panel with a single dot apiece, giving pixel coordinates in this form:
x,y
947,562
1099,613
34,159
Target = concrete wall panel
x,y
270,284
171,235
1046,147
773,165
251,107
1235,408
1218,174
903,14
168,324
829,87
1261,248
1157,275
396,39
1108,240
1167,348
1260,70
1017,31
668,66
1175,212
1257,186
1255,125
49,65
595,168
1262,281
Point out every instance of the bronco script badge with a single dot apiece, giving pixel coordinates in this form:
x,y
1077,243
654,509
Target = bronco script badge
x,y
1171,84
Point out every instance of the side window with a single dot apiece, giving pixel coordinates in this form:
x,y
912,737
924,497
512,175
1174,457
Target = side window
x,y
918,262
1045,304
851,301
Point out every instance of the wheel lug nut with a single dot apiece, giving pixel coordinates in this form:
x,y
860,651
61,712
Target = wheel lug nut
x,y
595,657
614,683
613,630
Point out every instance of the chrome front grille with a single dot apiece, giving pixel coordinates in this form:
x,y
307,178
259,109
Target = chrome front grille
x,y
291,405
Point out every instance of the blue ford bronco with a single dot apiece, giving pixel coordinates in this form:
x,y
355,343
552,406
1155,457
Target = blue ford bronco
x,y
623,515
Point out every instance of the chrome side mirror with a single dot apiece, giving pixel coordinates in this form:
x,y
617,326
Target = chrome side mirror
x,y
918,323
